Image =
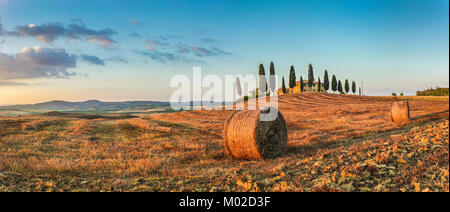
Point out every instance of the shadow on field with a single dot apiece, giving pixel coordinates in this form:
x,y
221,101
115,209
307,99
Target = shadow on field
x,y
311,149
436,115
87,116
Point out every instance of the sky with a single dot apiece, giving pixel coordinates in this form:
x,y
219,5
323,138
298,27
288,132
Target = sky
x,y
117,50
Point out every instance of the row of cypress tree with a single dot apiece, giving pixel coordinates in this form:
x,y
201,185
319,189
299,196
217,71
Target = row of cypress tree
x,y
336,85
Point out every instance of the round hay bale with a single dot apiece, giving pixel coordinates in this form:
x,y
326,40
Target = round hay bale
x,y
247,137
400,111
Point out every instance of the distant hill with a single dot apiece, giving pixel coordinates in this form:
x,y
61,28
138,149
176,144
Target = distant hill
x,y
86,105
86,116
93,107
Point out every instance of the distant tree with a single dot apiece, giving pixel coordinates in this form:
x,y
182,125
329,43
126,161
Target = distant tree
x,y
340,87
360,92
334,84
326,83
262,79
401,94
272,77
394,94
353,87
437,91
319,86
283,86
292,77
347,86
310,76
238,87
302,85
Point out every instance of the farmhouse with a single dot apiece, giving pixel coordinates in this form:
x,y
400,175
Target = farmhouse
x,y
306,88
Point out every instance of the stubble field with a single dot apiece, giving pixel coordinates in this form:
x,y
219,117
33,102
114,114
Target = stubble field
x,y
336,143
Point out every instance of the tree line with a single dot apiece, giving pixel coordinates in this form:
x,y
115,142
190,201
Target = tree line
x,y
434,92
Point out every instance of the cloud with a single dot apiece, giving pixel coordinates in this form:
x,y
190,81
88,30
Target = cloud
x,y
76,21
162,57
165,57
173,36
202,51
156,43
48,33
8,83
183,49
92,59
36,62
102,37
163,49
2,32
220,51
208,40
116,59
135,35
135,22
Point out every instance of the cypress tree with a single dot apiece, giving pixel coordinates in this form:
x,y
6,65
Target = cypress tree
x,y
340,87
347,86
319,86
326,82
353,87
334,84
238,86
262,80
360,91
310,76
272,77
283,87
302,85
292,77
272,69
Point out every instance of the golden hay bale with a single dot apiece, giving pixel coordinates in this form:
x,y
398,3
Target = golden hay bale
x,y
400,111
247,137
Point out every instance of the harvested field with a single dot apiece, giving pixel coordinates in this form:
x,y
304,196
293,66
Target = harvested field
x,y
336,143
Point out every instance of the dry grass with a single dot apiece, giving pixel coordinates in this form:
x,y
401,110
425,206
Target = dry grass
x,y
330,140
